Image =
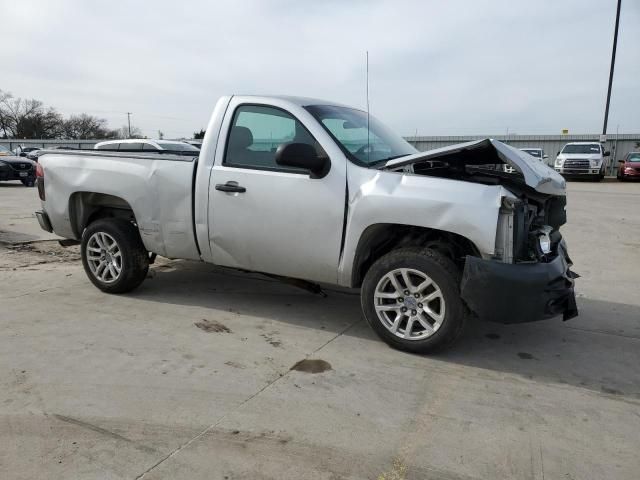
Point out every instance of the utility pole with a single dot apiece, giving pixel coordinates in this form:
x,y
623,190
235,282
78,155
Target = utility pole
x,y
613,62
129,122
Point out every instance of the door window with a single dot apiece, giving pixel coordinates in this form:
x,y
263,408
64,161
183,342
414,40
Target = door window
x,y
109,146
130,147
257,132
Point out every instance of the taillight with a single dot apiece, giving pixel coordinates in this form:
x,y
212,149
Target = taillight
x,y
40,180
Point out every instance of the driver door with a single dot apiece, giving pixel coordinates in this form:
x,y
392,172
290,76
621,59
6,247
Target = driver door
x,y
268,218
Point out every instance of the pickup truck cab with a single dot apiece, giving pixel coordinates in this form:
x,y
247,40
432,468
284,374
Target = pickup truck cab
x,y
316,191
582,159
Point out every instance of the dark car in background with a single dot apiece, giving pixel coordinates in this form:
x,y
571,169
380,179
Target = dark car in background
x,y
18,168
629,168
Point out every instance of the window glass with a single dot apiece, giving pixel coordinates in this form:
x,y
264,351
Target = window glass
x,y
364,139
257,132
149,148
582,148
131,147
177,147
109,146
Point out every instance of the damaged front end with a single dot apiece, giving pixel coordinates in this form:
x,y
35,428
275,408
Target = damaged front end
x,y
528,277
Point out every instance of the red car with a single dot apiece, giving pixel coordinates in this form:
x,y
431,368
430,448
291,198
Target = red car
x,y
629,167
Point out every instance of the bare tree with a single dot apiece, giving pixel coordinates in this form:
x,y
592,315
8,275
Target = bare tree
x,y
199,135
20,118
84,126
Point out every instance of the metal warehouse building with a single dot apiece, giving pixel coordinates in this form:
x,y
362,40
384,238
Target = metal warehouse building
x,y
618,145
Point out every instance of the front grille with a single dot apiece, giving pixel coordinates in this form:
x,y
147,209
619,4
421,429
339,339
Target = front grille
x,y
576,163
21,167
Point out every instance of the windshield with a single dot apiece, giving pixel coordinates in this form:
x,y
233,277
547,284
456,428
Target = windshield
x,y
634,157
177,147
590,148
348,127
533,152
4,149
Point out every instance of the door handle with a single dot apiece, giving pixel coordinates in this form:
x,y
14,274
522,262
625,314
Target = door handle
x,y
232,187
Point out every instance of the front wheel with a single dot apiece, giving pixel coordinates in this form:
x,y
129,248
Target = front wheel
x,y
113,255
411,299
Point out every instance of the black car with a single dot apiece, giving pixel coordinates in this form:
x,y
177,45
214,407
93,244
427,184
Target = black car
x,y
18,168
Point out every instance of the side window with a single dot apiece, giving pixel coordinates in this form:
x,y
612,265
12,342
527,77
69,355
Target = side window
x,y
110,146
257,132
147,147
130,147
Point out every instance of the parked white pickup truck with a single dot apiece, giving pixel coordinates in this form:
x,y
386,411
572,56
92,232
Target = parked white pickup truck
x,y
307,189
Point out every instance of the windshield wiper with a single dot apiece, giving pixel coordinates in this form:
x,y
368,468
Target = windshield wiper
x,y
384,160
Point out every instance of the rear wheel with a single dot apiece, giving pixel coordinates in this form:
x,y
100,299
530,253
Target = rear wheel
x,y
113,255
411,299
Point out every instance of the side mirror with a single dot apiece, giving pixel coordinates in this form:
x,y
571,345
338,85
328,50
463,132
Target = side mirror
x,y
23,154
607,153
303,155
558,153
621,161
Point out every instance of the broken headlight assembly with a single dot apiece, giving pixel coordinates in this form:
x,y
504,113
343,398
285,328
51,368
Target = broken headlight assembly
x,y
544,239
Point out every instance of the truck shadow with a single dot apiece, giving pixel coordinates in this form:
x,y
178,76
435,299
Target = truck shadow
x,y
597,350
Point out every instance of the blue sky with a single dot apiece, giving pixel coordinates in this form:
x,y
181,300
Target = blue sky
x,y
438,68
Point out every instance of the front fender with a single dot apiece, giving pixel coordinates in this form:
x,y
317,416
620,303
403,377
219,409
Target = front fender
x,y
466,209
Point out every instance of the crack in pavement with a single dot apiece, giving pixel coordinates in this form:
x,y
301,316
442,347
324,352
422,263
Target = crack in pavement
x,y
103,431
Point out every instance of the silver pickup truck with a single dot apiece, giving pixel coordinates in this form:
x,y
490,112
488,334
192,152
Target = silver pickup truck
x,y
311,190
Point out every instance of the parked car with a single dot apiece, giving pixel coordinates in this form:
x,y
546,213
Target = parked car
x,y
22,151
17,168
629,168
195,143
323,193
146,145
582,159
536,153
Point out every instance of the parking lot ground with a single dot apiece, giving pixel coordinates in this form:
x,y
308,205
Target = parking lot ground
x,y
191,376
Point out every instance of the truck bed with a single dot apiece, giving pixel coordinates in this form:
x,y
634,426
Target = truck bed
x,y
158,188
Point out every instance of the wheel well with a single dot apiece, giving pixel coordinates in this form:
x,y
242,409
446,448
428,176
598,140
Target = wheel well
x,y
87,207
378,240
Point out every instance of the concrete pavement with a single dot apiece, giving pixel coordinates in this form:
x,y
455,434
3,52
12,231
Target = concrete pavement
x,y
189,376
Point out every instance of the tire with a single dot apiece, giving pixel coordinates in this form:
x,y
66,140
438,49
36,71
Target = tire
x,y
420,265
98,250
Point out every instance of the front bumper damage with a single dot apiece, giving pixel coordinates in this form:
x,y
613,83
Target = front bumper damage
x,y
518,293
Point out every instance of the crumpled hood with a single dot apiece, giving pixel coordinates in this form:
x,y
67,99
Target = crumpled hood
x,y
537,175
